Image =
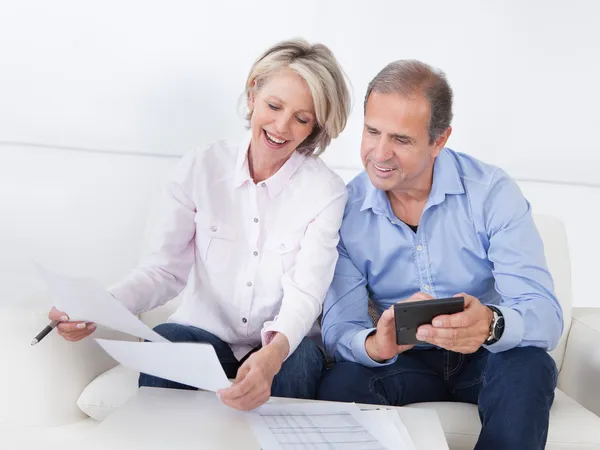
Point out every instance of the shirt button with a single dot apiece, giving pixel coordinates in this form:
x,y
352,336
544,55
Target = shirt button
x,y
426,287
249,283
214,228
244,320
255,220
255,253
419,247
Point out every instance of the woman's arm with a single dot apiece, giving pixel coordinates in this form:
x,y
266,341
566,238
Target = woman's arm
x,y
306,283
163,274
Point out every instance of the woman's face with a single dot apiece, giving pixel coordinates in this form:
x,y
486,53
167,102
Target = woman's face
x,y
283,117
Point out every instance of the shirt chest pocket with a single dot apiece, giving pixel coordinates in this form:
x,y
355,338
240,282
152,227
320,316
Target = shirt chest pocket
x,y
281,251
215,244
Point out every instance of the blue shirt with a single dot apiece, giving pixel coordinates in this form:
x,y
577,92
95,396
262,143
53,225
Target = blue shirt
x,y
476,235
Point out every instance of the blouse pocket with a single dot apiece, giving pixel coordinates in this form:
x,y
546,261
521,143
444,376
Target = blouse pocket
x,y
284,249
216,243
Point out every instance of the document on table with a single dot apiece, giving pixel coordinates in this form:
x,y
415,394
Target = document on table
x,y
85,299
189,363
324,426
390,426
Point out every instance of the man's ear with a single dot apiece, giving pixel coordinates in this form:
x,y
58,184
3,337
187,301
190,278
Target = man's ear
x,y
440,142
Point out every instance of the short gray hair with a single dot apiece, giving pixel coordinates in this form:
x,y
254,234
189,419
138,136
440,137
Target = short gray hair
x,y
410,77
325,79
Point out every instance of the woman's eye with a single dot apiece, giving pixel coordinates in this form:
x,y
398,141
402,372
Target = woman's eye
x,y
273,107
302,121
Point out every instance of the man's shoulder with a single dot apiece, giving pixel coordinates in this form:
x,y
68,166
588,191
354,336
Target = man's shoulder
x,y
357,191
477,176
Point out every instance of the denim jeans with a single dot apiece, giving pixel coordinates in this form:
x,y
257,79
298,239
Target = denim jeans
x,y
513,389
298,378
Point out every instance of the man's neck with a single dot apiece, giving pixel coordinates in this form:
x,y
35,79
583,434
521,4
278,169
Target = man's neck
x,y
408,204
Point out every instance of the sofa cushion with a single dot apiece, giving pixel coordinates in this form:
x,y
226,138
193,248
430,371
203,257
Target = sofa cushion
x,y
571,425
108,392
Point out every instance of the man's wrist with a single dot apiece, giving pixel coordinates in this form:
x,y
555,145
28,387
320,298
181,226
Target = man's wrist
x,y
496,325
372,349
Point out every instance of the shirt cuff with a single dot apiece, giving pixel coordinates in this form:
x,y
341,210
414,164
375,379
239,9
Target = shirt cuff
x,y
513,331
359,350
279,325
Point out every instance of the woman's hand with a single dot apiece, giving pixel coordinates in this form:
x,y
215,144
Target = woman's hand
x,y
71,331
252,386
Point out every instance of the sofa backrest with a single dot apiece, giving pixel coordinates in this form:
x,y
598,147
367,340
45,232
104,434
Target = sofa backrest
x,y
556,248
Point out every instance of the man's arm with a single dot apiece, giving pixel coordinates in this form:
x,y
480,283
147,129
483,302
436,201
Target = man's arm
x,y
532,313
346,321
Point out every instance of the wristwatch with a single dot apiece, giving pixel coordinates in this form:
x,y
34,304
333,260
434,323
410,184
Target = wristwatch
x,y
496,327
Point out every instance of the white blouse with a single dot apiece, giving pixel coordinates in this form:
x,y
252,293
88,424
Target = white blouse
x,y
254,259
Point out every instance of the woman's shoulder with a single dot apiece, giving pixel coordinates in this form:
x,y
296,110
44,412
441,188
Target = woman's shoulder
x,y
222,151
317,173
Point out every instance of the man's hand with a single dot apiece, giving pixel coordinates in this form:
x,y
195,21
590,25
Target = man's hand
x,y
463,332
381,345
252,386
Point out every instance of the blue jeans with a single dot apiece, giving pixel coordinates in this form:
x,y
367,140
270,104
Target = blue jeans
x,y
513,389
298,378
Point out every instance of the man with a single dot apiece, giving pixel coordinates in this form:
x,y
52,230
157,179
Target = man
x,y
426,222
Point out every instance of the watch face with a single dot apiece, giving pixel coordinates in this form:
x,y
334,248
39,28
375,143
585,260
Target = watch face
x,y
499,327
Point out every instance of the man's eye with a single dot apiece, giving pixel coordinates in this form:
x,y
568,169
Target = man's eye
x,y
372,131
273,107
402,141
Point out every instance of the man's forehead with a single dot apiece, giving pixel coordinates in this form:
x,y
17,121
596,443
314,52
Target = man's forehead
x,y
392,110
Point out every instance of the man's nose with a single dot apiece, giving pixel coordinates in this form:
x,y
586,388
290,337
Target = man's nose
x,y
383,150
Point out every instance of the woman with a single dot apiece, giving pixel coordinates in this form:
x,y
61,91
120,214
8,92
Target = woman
x,y
250,231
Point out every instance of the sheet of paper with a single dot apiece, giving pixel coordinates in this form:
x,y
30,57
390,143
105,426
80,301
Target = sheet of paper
x,y
392,431
313,426
85,299
189,363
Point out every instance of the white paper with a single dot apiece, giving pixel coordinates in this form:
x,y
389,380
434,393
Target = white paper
x,y
190,363
313,426
392,431
85,299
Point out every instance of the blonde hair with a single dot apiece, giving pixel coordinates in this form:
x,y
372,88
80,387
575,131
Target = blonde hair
x,y
325,79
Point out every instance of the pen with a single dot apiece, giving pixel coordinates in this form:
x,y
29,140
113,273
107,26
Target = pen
x,y
42,334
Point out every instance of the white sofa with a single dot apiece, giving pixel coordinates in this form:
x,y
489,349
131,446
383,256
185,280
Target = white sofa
x,y
41,400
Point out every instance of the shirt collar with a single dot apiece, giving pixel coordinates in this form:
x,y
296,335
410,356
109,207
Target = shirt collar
x,y
446,180
275,183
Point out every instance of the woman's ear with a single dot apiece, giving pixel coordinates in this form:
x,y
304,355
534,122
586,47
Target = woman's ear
x,y
251,100
251,96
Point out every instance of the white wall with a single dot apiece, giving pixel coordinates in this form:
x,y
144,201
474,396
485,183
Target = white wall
x,y
158,77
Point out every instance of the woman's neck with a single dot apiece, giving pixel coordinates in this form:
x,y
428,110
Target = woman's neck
x,y
261,170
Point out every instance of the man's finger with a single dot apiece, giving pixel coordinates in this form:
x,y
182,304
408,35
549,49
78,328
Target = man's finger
x,y
419,296
427,331
458,320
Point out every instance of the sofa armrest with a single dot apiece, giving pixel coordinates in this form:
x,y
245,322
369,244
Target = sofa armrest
x,y
40,385
580,374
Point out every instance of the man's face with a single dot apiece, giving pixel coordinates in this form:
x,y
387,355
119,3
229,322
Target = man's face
x,y
395,148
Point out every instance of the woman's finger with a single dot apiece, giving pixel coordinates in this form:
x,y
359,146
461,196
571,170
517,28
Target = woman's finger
x,y
70,327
